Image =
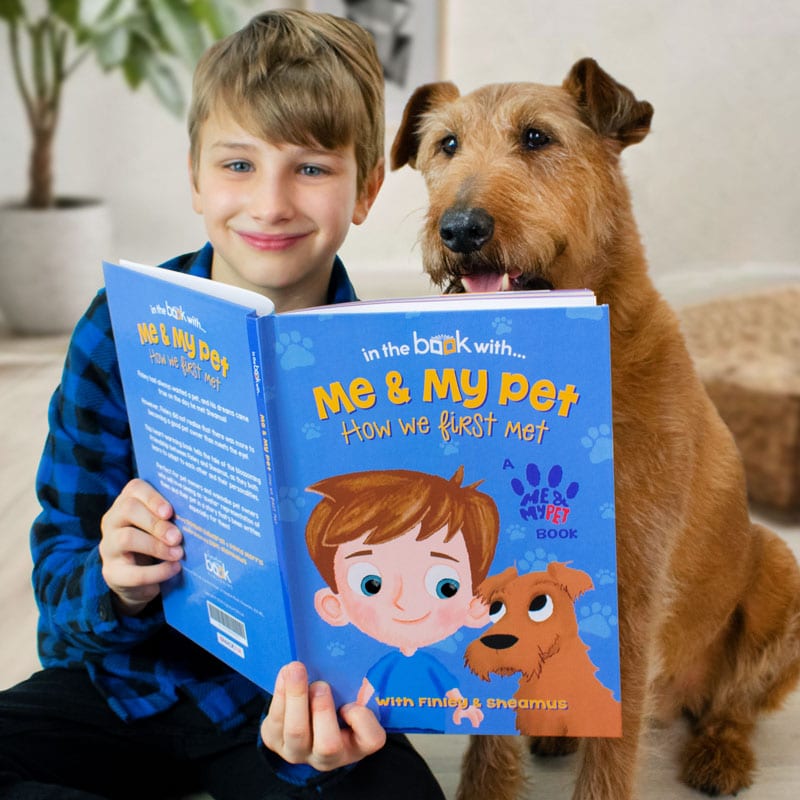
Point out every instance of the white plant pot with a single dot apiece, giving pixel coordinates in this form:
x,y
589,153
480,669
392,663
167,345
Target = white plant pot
x,y
51,263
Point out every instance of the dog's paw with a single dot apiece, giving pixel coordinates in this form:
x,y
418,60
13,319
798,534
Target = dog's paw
x,y
720,763
548,746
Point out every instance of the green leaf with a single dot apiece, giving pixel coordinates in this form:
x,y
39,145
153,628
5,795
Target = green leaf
x,y
111,47
165,85
179,28
219,16
90,12
11,10
66,10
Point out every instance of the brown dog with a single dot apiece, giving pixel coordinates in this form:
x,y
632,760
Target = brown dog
x,y
526,190
535,632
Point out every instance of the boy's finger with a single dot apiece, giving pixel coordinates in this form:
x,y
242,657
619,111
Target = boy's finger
x,y
327,735
367,735
296,723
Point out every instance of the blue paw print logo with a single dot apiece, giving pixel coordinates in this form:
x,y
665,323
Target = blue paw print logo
x,y
597,620
607,511
290,501
536,560
294,350
598,442
515,532
336,649
501,325
534,496
311,430
449,448
605,577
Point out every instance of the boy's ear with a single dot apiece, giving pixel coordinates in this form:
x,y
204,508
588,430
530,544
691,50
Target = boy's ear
x,y
330,608
370,191
197,205
477,614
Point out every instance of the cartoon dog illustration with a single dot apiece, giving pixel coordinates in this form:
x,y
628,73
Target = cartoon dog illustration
x,y
535,633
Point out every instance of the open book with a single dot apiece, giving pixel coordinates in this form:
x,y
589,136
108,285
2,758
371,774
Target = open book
x,y
414,497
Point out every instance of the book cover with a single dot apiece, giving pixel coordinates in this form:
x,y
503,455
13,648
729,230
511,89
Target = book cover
x,y
413,497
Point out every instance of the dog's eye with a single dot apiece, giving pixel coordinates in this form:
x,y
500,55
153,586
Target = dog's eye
x,y
534,139
449,145
365,579
442,582
497,610
541,608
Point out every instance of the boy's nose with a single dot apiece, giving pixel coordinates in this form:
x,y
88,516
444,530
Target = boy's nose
x,y
270,200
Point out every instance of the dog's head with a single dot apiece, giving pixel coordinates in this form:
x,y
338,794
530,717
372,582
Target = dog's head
x,y
523,179
532,616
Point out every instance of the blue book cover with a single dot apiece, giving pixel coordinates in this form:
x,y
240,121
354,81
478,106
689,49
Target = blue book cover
x,y
413,497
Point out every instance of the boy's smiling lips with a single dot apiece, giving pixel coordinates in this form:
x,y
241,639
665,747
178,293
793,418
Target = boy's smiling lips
x,y
411,621
270,241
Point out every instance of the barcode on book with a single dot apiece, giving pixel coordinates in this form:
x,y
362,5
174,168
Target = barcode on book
x,y
227,623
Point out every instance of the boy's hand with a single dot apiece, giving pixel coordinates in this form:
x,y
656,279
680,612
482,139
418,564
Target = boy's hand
x,y
140,547
302,725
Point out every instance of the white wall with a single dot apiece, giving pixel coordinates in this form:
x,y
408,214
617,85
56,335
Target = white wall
x,y
715,182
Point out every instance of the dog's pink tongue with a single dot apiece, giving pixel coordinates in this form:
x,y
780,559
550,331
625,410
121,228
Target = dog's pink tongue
x,y
487,282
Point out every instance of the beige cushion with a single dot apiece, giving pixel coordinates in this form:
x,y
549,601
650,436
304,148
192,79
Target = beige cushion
x,y
747,351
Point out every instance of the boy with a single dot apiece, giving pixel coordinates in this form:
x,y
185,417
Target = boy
x,y
286,135
402,553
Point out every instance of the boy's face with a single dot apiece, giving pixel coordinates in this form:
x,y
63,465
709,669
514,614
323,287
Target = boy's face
x,y
405,593
275,214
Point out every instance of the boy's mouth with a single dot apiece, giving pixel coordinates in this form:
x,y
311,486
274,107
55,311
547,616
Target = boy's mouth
x,y
273,242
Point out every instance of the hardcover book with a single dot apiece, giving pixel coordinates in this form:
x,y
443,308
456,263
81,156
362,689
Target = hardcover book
x,y
413,497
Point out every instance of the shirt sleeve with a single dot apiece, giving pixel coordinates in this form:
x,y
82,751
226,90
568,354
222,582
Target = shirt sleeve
x,y
86,462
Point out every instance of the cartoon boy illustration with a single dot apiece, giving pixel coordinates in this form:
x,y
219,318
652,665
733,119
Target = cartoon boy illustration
x,y
402,553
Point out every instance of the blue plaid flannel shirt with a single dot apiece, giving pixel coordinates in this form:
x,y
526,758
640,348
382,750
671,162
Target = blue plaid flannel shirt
x,y
139,664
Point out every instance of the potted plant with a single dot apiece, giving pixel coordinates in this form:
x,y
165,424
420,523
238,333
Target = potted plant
x,y
143,40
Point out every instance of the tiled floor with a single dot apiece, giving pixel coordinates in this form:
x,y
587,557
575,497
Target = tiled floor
x,y
29,369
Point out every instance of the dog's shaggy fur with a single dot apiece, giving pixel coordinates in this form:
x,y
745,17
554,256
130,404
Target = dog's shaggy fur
x,y
526,190
535,633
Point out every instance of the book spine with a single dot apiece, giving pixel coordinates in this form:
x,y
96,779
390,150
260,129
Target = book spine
x,y
261,335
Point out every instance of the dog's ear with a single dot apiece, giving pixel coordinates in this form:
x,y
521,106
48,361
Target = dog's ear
x,y
609,108
495,582
574,581
425,98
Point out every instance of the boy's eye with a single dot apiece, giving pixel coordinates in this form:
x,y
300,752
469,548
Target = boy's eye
x,y
239,166
312,170
442,582
365,579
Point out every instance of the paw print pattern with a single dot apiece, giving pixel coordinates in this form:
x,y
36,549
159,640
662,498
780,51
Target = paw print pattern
x,y
597,620
515,532
607,511
598,442
501,325
605,577
336,649
449,448
311,431
290,501
294,350
534,494
536,560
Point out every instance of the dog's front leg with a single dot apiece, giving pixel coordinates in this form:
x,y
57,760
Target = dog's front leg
x,y
492,769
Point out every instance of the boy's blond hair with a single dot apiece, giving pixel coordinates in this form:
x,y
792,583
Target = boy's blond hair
x,y
295,77
386,504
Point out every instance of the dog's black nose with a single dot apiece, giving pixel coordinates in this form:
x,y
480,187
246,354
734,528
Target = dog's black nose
x,y
465,230
499,641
